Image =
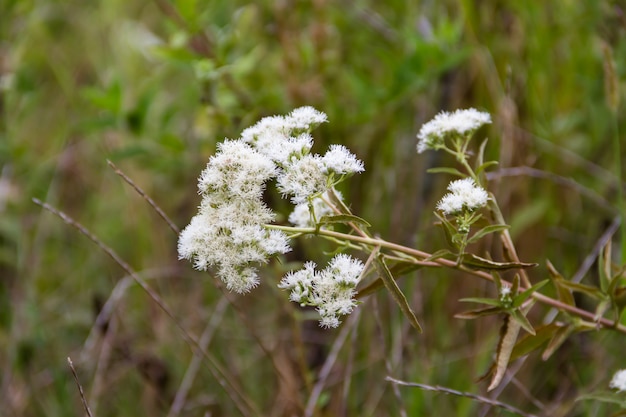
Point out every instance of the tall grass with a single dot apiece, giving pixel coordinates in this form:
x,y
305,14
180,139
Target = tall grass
x,y
154,85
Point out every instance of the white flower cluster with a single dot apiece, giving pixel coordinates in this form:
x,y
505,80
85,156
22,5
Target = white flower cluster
x,y
432,135
228,232
286,140
331,290
619,380
464,195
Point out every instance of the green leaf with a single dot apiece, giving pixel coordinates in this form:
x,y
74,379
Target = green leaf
x,y
521,319
488,301
519,299
486,165
441,253
344,219
480,157
604,266
497,280
446,170
601,309
605,396
486,230
476,262
531,342
564,294
396,293
585,289
448,229
397,271
508,336
473,314
557,340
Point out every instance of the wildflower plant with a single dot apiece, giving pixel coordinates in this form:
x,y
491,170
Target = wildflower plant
x,y
235,232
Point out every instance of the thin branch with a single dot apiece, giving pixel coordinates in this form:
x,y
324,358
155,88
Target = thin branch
x,y
80,387
557,179
146,197
449,391
330,362
451,264
192,369
218,372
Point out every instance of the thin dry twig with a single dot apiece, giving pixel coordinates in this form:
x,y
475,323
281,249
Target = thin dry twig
x,y
557,179
192,369
80,387
226,381
444,390
329,363
146,197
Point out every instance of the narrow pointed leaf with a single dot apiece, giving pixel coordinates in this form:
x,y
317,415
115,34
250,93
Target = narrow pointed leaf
x,y
497,280
396,293
397,271
531,342
488,301
344,219
441,253
585,289
519,300
564,294
486,230
476,262
480,157
508,336
601,309
448,229
473,314
520,318
557,340
445,170
604,266
486,165
515,285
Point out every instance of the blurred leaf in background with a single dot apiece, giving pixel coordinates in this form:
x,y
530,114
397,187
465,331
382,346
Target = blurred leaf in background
x,y
154,85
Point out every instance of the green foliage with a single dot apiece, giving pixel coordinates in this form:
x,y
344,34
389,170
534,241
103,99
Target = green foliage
x,y
154,85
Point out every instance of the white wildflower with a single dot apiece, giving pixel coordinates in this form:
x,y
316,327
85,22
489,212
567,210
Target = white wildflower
x,y
266,128
289,149
305,119
300,283
302,178
464,195
228,232
236,170
432,135
341,161
619,380
301,215
331,290
279,136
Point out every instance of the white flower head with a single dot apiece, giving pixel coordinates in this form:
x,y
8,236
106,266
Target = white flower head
x,y
464,195
331,290
341,161
305,119
460,122
302,178
619,380
300,283
237,170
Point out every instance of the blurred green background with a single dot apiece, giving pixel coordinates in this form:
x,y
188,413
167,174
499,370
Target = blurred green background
x,y
154,85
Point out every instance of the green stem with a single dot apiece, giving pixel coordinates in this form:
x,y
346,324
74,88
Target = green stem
x,y
377,242
621,204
